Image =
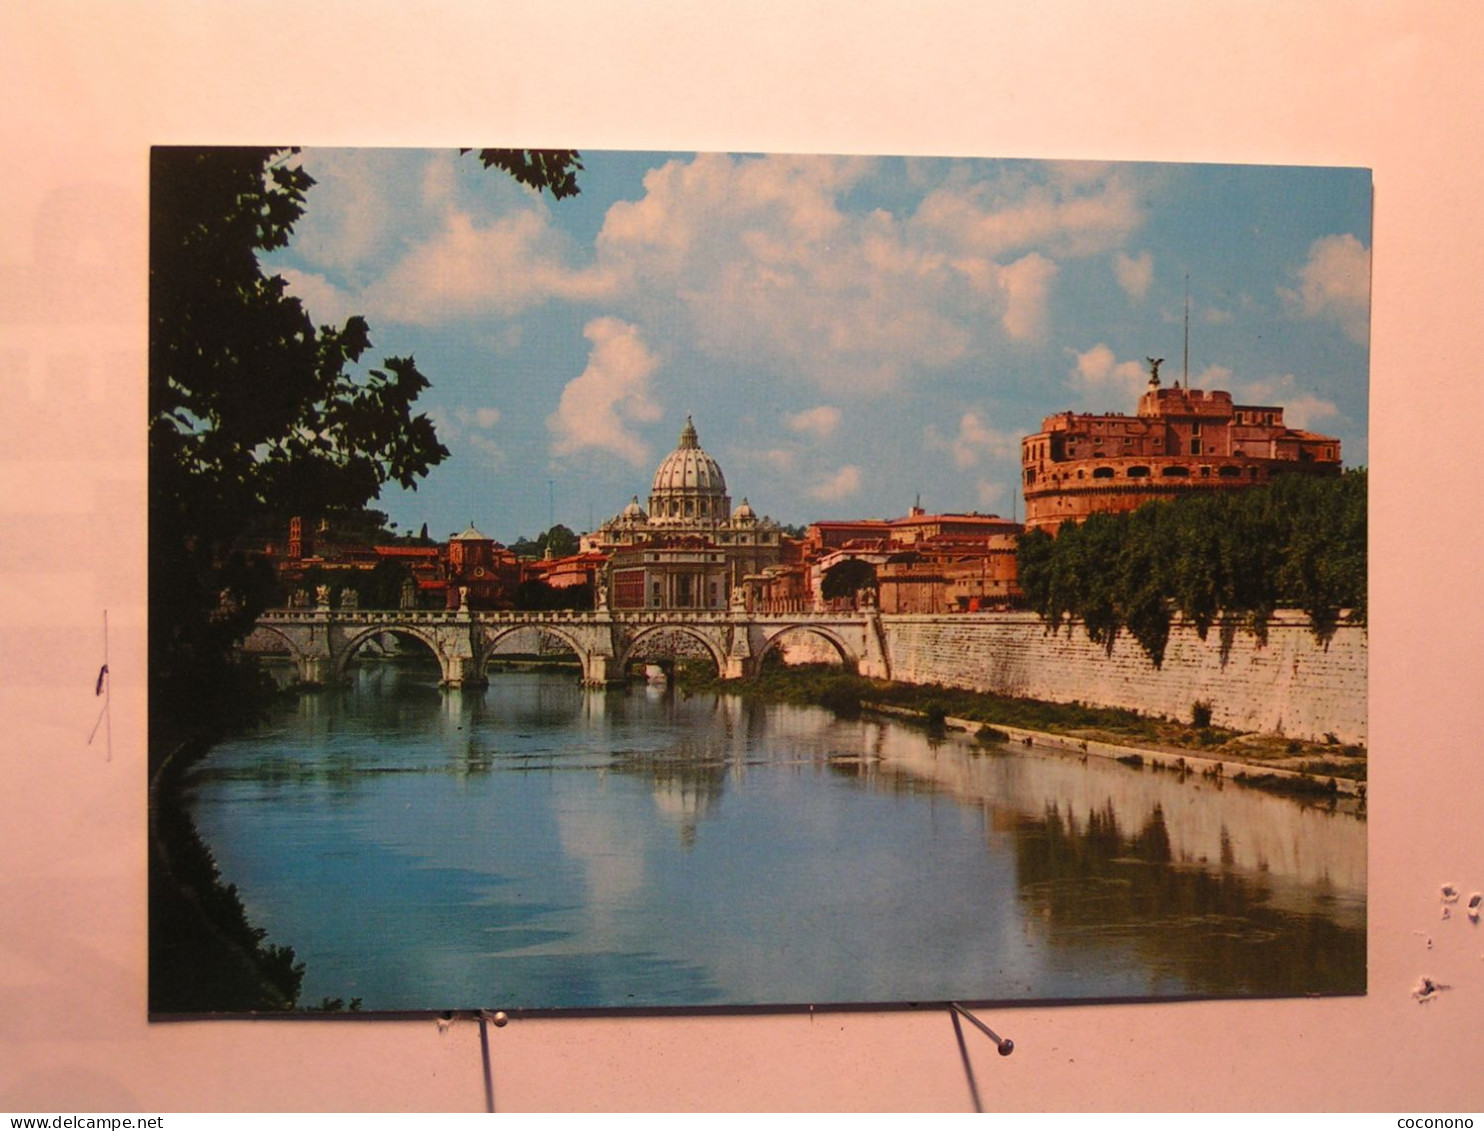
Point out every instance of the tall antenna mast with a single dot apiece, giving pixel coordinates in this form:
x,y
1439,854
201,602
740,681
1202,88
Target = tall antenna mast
x,y
1185,365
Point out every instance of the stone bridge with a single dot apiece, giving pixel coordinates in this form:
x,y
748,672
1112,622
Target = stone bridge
x,y
321,641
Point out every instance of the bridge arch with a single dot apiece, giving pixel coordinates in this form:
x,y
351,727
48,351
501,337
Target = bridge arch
x,y
777,638
292,649
353,642
491,638
257,642
713,647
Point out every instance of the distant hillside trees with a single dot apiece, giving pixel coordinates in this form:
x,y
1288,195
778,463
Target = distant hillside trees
x,y
1229,557
559,539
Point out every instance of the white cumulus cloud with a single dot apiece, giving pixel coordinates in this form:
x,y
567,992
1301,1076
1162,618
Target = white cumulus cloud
x,y
325,303
467,428
1078,210
1027,285
1300,409
1099,370
978,440
598,407
841,485
761,260
1335,284
819,422
990,496
469,268
1135,273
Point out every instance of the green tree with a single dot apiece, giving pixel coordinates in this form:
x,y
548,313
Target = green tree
x,y
559,539
847,577
1234,557
1146,568
255,413
252,411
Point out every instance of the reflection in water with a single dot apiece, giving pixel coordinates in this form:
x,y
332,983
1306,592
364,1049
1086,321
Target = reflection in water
x,y
1200,930
535,845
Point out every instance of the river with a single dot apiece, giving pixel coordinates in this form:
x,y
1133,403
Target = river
x,y
535,845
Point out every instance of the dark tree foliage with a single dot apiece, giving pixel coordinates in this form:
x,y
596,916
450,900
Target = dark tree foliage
x,y
553,169
560,540
535,594
1232,557
252,411
377,588
847,578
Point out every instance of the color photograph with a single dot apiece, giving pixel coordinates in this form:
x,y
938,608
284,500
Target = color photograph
x,y
588,581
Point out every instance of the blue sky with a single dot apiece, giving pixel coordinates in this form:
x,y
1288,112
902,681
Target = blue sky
x,y
848,332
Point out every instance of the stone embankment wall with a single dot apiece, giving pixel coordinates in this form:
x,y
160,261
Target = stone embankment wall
x,y
1291,685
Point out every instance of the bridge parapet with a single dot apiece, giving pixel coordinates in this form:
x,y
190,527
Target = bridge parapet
x,y
322,641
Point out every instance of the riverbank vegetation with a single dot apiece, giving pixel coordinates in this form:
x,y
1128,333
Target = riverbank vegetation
x,y
848,695
1223,557
204,954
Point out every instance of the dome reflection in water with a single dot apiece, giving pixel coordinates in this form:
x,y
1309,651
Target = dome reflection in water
x,y
535,845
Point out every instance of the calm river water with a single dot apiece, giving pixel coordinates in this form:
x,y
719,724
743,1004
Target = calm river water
x,y
535,845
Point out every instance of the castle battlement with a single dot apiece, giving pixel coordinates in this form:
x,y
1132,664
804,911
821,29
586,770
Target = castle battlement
x,y
1180,440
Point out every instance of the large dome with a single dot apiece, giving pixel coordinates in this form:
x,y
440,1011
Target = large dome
x,y
689,484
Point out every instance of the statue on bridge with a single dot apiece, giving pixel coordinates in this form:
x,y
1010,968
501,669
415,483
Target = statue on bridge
x,y
350,600
322,597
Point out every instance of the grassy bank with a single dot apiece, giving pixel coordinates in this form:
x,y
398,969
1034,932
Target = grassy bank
x,y
845,693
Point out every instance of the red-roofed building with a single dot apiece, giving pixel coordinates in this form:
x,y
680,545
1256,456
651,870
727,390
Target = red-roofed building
x,y
1179,441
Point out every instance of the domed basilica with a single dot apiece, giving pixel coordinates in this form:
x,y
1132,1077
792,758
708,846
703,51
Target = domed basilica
x,y
689,550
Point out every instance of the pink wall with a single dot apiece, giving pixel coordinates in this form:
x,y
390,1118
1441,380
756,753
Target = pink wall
x,y
1393,85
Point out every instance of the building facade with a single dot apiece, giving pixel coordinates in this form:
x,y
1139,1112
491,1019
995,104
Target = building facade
x,y
1180,440
688,549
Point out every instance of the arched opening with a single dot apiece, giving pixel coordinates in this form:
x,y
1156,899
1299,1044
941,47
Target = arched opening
x,y
532,647
1175,471
802,647
846,583
667,653
275,653
533,678
390,660
1102,473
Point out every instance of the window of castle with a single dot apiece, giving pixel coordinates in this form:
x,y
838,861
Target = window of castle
x,y
1102,473
1138,472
